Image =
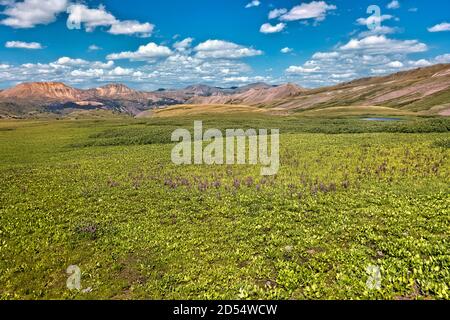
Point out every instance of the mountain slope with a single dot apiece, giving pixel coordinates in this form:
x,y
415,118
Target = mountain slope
x,y
252,96
416,90
424,90
42,90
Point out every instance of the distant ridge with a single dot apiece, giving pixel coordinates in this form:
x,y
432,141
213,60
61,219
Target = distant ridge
x,y
423,89
252,94
42,90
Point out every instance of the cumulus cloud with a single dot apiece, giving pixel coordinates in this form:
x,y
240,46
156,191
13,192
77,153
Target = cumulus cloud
x,y
379,30
344,76
374,20
213,62
64,69
149,51
277,13
395,64
219,49
186,70
132,27
420,63
81,15
393,4
119,71
268,28
445,58
325,55
314,10
374,55
381,45
183,45
243,80
29,13
89,73
94,47
286,50
103,65
445,26
254,3
300,69
66,61
23,45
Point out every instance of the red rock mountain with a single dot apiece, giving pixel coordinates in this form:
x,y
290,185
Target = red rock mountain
x,y
42,90
114,90
58,91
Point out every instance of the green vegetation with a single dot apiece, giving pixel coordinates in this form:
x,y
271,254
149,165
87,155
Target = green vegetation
x,y
437,99
105,196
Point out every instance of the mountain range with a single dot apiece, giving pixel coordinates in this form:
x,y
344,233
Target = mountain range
x,y
420,90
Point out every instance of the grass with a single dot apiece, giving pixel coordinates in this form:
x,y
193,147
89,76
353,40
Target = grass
x,y
198,110
437,99
354,111
105,196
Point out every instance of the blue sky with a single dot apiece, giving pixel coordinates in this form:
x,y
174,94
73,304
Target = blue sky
x,y
174,43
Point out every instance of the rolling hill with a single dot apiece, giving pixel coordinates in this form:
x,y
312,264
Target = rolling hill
x,y
419,91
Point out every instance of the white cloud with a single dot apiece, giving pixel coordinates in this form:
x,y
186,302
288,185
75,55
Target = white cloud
x,y
119,71
29,13
379,71
420,63
131,27
445,58
393,4
395,64
314,10
325,55
90,73
379,30
149,51
99,64
342,75
94,47
286,50
243,80
254,3
219,49
66,61
300,69
369,56
381,45
374,20
64,69
268,28
183,45
277,13
445,26
81,15
23,45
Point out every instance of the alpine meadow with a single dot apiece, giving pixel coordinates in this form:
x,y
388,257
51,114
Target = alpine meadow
x,y
224,150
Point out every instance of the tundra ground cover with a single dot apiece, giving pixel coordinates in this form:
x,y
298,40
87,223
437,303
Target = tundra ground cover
x,y
104,195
